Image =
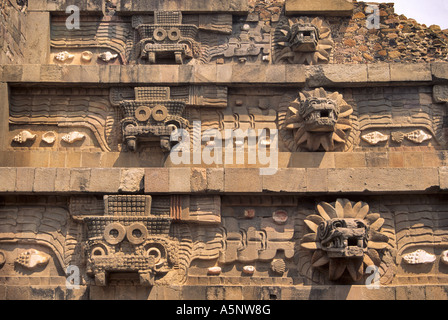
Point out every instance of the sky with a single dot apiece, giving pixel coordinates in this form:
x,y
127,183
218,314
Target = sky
x,y
424,11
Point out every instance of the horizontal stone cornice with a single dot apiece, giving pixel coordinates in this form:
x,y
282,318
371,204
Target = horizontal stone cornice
x,y
357,75
224,180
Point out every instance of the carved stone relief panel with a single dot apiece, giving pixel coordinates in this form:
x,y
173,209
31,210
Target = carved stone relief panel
x,y
399,117
38,242
310,120
100,41
303,40
128,239
181,239
318,120
57,118
346,238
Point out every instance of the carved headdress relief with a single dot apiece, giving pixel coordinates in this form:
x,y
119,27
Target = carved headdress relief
x,y
345,236
317,120
303,41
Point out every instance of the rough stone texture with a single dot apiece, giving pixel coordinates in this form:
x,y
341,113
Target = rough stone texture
x,y
242,180
105,180
12,39
443,174
358,138
131,180
146,6
286,180
319,7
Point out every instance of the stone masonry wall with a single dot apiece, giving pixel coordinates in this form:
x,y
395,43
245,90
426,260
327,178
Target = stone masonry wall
x,y
92,128
12,31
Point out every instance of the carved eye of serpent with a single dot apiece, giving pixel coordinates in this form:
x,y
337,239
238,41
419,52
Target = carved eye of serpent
x,y
323,231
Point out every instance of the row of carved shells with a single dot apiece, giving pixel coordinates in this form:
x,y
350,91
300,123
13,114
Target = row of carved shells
x,y
417,136
85,56
48,137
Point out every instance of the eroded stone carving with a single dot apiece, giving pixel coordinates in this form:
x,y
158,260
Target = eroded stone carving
x,y
86,56
32,258
419,257
303,41
128,239
73,137
375,137
418,136
49,137
444,257
41,225
24,136
345,236
278,266
317,120
64,56
107,56
73,108
397,136
152,116
167,39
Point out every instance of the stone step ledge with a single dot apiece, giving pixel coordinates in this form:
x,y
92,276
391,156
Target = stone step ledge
x,y
222,180
285,75
416,157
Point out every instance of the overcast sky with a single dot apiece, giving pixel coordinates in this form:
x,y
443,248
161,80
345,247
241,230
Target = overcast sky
x,y
424,11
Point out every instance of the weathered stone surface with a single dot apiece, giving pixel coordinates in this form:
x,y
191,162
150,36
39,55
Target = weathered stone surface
x,y
80,180
319,7
131,180
360,114
242,180
38,47
44,179
9,177
443,174
409,72
382,179
439,70
378,72
105,180
440,93
156,180
25,179
286,180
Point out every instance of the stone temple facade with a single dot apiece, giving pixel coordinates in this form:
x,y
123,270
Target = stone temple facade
x,y
232,149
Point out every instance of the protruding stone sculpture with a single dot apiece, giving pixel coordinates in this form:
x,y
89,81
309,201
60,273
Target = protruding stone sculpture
x,y
107,56
24,136
303,41
49,137
317,120
375,137
73,137
128,239
152,116
418,136
86,56
419,257
345,236
32,258
167,39
64,56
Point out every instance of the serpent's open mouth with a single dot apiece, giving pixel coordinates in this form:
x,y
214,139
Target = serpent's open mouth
x,y
343,238
320,115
